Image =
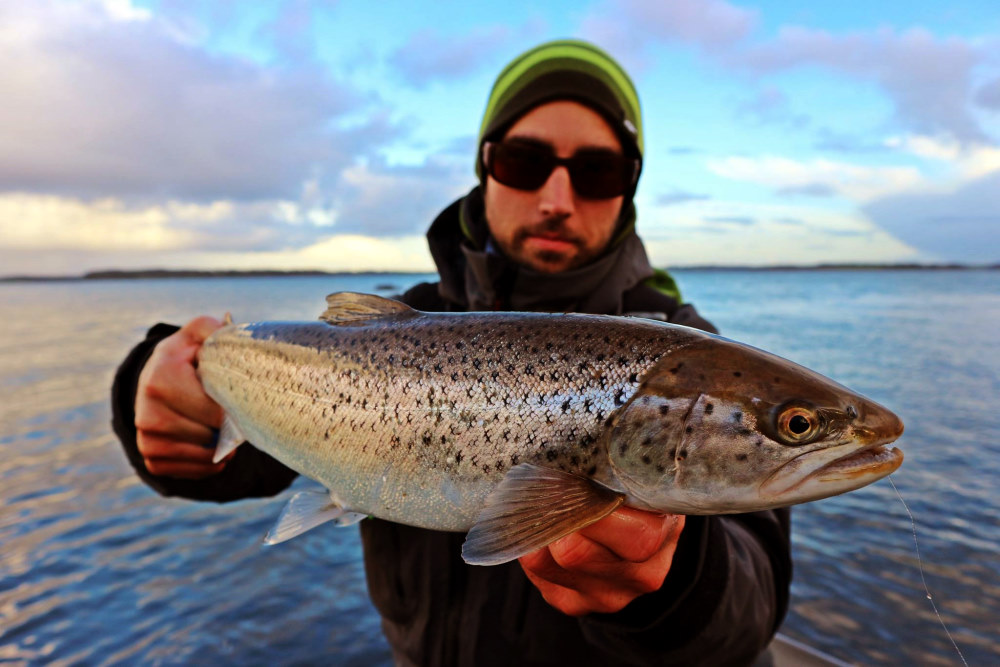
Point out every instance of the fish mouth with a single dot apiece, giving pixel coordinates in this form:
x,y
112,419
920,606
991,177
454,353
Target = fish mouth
x,y
874,461
804,478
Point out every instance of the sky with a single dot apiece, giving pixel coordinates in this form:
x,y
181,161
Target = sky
x,y
327,135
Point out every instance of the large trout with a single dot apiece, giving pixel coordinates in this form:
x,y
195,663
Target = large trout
x,y
524,427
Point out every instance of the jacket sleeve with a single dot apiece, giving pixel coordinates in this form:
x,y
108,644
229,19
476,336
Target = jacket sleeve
x,y
722,602
250,473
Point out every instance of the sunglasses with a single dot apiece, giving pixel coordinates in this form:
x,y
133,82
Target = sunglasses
x,y
594,173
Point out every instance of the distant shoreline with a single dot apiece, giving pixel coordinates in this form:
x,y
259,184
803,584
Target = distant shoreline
x,y
153,274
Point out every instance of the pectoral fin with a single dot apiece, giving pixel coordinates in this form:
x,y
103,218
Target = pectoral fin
x,y
306,510
534,506
230,437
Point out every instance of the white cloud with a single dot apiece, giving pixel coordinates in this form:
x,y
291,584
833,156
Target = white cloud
x,y
336,253
431,55
928,78
746,233
124,10
99,100
966,162
626,27
33,222
854,182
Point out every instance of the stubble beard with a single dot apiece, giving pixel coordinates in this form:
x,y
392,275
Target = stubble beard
x,y
549,261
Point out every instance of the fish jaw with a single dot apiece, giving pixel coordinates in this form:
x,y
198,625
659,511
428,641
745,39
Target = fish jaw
x,y
832,471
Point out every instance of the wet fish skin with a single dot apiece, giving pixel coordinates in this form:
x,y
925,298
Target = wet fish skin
x,y
427,419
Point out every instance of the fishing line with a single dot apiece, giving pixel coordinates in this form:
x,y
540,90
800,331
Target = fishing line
x,y
920,566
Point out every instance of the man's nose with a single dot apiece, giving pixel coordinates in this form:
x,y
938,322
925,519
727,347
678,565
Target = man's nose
x,y
556,195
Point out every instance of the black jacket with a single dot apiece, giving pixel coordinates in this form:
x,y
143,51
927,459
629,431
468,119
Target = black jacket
x,y
724,598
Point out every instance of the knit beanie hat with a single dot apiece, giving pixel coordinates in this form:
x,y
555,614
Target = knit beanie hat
x,y
564,70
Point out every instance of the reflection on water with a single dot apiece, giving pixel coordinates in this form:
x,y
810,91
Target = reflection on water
x,y
96,568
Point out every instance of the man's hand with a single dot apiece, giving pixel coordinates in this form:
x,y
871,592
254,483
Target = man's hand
x,y
603,567
174,417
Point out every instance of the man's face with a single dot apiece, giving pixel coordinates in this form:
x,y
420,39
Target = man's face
x,y
553,229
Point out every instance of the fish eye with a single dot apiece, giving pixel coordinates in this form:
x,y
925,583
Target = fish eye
x,y
798,424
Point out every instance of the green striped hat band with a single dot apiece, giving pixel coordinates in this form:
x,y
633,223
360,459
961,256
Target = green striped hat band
x,y
564,69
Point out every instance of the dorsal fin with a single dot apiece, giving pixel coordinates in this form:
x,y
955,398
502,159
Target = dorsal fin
x,y
346,308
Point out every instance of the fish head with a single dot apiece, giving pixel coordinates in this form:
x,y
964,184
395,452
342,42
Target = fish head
x,y
718,427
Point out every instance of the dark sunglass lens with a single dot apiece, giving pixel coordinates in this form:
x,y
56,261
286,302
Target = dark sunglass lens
x,y
521,167
601,176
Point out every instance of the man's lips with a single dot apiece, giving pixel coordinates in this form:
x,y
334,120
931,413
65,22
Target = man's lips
x,y
550,242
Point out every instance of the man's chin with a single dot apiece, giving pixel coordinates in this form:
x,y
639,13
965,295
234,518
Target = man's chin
x,y
546,261
548,256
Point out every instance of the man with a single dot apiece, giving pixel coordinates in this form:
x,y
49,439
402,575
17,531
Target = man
x,y
549,228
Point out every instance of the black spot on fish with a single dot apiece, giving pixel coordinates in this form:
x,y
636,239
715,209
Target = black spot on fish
x,y
477,364
758,442
688,429
777,380
664,409
438,368
737,374
600,357
550,455
737,416
648,441
647,460
591,471
745,431
709,408
633,378
458,457
660,468
676,369
608,422
683,455
620,398
459,345
565,405
742,457
454,377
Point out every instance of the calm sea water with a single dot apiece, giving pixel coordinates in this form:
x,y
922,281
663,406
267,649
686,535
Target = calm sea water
x,y
97,569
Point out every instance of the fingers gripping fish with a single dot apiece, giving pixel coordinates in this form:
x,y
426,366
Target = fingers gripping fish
x,y
521,428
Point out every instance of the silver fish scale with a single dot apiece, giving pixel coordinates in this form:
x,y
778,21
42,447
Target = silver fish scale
x,y
418,417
